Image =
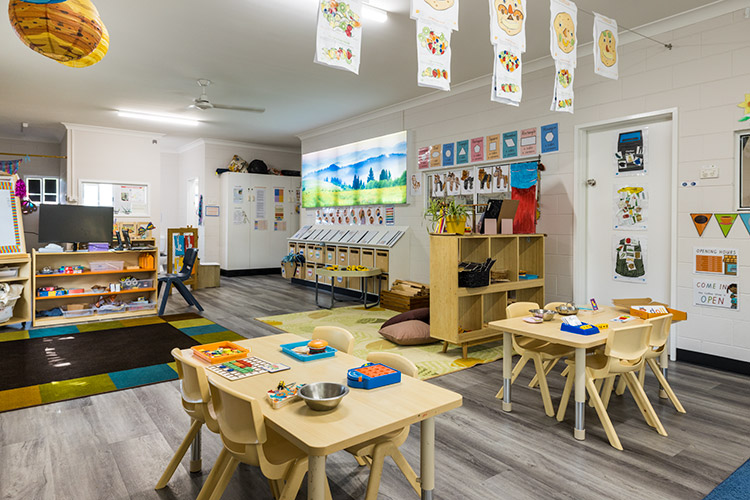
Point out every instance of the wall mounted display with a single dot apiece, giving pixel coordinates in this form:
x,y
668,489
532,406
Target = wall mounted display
x,y
528,141
435,155
630,207
444,12
484,180
507,75
433,55
632,150
453,183
362,173
449,155
563,31
629,258
510,144
549,137
719,293
721,261
508,23
339,35
477,149
415,185
130,199
423,157
437,186
462,152
726,221
501,179
212,210
493,147
605,46
467,181
700,221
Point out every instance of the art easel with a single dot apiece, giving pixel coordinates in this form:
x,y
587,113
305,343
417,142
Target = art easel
x,y
13,249
188,238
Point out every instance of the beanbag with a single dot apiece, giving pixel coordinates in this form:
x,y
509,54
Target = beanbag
x,y
422,314
409,332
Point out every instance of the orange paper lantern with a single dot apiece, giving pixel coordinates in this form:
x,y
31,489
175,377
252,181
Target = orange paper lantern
x,y
64,31
97,55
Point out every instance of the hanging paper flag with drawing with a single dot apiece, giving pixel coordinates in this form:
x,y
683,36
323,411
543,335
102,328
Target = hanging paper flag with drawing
x,y
700,221
507,75
339,35
563,31
746,221
444,12
563,99
508,23
726,221
605,46
433,55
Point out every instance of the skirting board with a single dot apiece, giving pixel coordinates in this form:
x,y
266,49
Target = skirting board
x,y
716,362
249,272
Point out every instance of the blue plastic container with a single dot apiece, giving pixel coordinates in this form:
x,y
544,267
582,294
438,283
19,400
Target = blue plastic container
x,y
590,330
287,349
359,380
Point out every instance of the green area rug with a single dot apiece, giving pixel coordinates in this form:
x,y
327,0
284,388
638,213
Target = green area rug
x,y
364,325
46,365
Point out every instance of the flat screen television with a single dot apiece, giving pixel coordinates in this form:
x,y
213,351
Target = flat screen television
x,y
75,224
370,172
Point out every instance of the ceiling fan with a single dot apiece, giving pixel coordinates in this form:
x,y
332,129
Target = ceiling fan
x,y
203,103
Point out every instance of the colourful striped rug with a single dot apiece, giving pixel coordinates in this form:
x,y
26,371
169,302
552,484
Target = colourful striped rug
x,y
53,364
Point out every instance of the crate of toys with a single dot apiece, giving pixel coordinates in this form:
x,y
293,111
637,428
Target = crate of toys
x,y
220,352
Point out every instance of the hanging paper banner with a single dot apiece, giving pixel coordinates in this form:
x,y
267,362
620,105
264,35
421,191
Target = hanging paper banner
x,y
549,138
435,155
508,23
630,207
746,221
437,187
484,180
462,152
493,147
507,87
701,221
563,100
563,31
444,12
477,149
726,221
433,55
501,178
523,181
528,141
605,46
339,35
630,259
467,181
448,155
423,157
453,183
10,167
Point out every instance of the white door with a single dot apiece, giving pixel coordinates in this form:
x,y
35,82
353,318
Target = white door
x,y
628,219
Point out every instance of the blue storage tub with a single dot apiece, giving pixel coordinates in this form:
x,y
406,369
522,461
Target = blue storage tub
x,y
360,380
287,349
580,330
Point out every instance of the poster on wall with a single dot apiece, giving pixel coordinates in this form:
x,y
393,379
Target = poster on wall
x,y
444,12
477,149
260,202
508,23
423,158
433,55
467,181
437,186
510,144
435,155
237,194
130,199
453,183
501,179
719,261
630,254
631,152
549,138
449,155
605,46
415,185
484,180
528,141
710,292
630,207
339,34
493,147
462,152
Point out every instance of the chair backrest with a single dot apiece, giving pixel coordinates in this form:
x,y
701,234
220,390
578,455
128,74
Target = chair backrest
x,y
395,361
188,262
519,309
196,397
554,305
338,338
629,343
660,331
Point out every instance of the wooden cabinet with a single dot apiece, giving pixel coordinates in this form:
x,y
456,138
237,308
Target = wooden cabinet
x,y
83,282
460,315
22,308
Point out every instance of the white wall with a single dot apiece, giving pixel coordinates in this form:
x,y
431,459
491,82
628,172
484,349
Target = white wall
x,y
704,76
170,214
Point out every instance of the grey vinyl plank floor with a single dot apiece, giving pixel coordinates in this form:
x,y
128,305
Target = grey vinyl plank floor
x,y
115,446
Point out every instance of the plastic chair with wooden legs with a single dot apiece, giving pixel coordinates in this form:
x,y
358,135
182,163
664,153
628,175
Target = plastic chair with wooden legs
x,y
338,338
657,344
538,351
374,451
623,355
196,400
247,440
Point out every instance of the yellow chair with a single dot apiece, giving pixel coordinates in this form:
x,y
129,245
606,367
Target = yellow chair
x,y
246,439
623,355
548,365
531,349
196,400
374,451
338,338
657,343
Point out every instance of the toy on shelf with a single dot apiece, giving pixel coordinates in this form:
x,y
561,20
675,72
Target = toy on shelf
x,y
220,352
372,375
128,282
51,291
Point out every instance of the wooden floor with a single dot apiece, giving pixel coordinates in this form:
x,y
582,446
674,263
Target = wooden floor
x,y
114,446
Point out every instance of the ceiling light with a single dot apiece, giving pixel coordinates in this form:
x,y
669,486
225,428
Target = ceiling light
x,y
158,118
374,14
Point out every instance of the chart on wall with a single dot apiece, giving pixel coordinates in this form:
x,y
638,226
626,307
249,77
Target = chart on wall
x,y
717,261
130,199
631,154
719,293
630,207
630,258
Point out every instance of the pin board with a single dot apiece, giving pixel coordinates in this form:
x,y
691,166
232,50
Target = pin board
x,y
12,240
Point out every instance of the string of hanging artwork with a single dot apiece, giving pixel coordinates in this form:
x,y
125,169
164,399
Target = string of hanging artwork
x,y
10,167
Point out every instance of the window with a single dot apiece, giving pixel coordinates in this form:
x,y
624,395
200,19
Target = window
x,y
97,194
43,189
125,199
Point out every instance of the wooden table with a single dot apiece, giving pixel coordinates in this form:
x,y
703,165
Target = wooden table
x,y
362,414
550,331
362,275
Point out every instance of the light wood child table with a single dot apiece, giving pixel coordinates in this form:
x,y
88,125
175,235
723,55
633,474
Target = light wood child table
x,y
550,331
362,414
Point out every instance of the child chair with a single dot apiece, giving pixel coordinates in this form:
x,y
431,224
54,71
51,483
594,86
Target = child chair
x,y
338,338
196,400
176,279
623,355
374,451
537,350
246,439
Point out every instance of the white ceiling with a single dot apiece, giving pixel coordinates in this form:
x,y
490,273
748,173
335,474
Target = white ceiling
x,y
257,53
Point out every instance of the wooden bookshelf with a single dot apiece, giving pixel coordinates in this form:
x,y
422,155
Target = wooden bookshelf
x,y
460,315
22,309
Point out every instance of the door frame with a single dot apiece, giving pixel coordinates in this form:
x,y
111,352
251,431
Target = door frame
x,y
580,205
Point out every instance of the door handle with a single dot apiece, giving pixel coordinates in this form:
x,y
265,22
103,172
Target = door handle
x,y
591,182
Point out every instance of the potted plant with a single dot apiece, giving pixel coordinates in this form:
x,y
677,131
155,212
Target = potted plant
x,y
455,217
434,212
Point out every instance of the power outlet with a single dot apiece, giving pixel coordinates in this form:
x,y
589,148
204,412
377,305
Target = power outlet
x,y
689,184
710,172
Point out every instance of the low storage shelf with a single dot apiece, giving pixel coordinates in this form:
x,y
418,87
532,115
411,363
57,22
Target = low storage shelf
x,y
111,267
459,315
21,310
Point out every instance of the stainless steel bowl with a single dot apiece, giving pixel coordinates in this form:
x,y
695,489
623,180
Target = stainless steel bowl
x,y
545,314
567,309
323,396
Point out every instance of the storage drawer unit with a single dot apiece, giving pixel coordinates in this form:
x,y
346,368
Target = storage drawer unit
x,y
381,260
330,255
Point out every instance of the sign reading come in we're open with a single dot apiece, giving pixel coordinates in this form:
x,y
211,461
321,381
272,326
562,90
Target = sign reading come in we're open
x,y
716,293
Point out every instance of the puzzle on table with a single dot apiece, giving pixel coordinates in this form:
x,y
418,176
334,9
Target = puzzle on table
x,y
247,367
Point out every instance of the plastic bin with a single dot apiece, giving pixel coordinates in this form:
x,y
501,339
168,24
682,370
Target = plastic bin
x,y
106,265
78,313
140,306
6,311
109,309
9,272
145,284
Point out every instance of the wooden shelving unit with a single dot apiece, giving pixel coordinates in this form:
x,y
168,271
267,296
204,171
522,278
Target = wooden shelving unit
x,y
460,315
88,279
22,309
